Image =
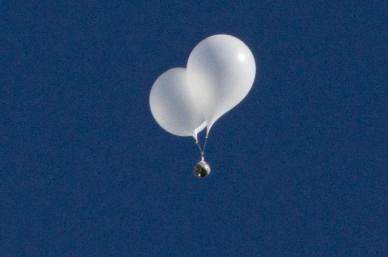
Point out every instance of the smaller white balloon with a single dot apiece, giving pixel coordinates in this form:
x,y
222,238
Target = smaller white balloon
x,y
221,70
173,106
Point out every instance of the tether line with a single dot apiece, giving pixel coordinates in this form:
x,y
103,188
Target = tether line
x,y
202,149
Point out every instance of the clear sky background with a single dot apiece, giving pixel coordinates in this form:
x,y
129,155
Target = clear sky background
x,y
299,167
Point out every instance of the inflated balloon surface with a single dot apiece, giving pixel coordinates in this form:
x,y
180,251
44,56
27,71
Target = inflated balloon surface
x,y
220,73
173,105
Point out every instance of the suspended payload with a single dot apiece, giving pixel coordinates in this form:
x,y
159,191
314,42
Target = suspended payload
x,y
202,169
184,101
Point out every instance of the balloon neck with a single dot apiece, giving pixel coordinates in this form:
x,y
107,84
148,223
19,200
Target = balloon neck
x,y
195,137
208,131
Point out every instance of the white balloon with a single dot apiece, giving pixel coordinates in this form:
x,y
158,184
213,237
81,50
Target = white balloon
x,y
221,70
173,106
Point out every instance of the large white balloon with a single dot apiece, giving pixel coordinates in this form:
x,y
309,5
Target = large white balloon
x,y
173,105
221,70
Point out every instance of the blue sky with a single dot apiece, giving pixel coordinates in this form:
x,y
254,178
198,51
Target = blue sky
x,y
299,167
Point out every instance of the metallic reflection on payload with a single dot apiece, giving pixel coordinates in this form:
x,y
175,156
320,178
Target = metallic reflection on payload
x,y
202,169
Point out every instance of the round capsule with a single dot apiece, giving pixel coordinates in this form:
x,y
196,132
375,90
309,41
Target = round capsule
x,y
202,169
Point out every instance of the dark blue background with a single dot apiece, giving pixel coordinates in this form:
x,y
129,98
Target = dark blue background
x,y
300,166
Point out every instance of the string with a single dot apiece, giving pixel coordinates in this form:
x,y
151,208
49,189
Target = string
x,y
201,149
204,145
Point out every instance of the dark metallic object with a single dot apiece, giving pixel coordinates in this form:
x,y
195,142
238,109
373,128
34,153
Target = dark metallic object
x,y
202,169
